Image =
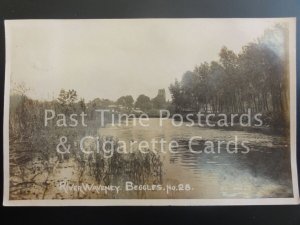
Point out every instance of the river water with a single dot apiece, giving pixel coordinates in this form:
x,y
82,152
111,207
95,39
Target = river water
x,y
263,172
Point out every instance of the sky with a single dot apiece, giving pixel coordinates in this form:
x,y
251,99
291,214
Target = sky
x,y
115,57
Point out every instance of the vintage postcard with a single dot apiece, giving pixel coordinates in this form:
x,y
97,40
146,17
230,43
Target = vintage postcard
x,y
150,112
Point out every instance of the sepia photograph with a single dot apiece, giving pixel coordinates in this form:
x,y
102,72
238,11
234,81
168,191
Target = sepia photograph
x,y
150,112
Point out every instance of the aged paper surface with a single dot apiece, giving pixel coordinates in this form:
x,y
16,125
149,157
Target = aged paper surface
x,y
150,112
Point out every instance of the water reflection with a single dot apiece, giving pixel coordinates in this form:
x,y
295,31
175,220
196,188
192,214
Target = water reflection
x,y
263,172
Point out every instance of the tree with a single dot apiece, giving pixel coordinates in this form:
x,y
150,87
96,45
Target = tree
x,y
67,97
66,100
256,79
143,102
177,96
82,104
126,101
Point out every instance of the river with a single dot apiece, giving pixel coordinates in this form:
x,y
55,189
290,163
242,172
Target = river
x,y
263,172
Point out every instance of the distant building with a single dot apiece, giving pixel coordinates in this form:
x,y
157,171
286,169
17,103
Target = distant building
x,y
159,102
162,94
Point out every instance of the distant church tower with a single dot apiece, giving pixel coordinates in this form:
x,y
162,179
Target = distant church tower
x,y
162,94
159,102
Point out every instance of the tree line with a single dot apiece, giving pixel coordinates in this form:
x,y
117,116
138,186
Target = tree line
x,y
256,79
